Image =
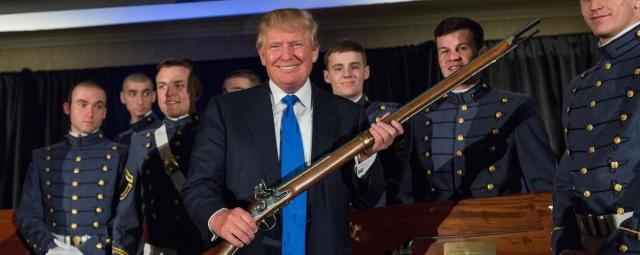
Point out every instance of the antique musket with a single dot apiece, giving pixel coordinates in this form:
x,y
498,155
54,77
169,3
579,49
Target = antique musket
x,y
269,200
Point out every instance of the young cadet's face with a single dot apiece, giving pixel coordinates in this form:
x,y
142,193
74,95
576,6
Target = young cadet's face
x,y
87,109
173,93
455,50
607,18
138,98
234,84
346,72
288,58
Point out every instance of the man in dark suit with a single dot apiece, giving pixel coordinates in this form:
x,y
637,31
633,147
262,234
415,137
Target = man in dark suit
x,y
238,141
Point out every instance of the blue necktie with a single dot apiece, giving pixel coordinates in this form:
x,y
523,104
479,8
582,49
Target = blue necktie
x,y
294,215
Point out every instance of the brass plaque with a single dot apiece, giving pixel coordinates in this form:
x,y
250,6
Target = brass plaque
x,y
470,248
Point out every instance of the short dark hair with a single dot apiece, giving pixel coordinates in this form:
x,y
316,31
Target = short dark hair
x,y
86,84
245,73
345,45
194,85
450,25
137,77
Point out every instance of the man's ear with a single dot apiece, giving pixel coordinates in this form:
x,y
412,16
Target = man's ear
x,y
122,97
325,74
366,72
65,108
483,50
153,96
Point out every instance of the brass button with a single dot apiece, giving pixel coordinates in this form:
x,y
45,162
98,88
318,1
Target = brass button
x,y
460,138
617,187
620,210
78,158
428,172
459,153
108,240
459,172
637,71
504,100
492,148
630,93
568,109
105,168
607,66
490,186
427,154
114,148
48,183
623,248
427,122
100,196
74,183
95,224
592,103
147,157
584,170
492,168
592,149
108,156
589,127
586,193
624,117
48,157
566,131
383,107
177,143
74,211
147,145
598,84
98,209
76,170
148,134
617,140
426,109
54,224
614,165
101,183
179,132
378,119
99,245
74,225
498,115
464,107
49,196
74,197
426,138
47,169
460,120
51,210
495,131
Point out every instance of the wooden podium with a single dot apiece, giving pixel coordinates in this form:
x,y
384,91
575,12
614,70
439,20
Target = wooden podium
x,y
513,224
9,241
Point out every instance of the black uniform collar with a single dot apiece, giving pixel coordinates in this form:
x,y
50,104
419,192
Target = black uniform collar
x,y
364,101
143,123
85,140
621,45
470,95
193,118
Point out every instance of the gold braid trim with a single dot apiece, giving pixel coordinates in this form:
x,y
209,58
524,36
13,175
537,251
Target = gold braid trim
x,y
636,232
128,177
118,251
558,228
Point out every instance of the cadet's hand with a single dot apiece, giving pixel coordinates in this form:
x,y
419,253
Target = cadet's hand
x,y
383,135
235,225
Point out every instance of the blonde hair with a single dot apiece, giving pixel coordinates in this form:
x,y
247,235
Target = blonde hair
x,y
288,20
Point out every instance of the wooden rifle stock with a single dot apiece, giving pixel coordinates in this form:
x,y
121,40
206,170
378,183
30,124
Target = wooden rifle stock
x,y
321,168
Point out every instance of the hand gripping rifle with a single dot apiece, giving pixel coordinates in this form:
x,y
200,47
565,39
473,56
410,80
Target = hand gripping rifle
x,y
269,200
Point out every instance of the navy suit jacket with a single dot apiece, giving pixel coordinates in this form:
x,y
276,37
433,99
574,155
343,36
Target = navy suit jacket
x,y
235,149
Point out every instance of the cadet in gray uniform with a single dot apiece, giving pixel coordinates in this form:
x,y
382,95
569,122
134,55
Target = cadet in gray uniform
x,y
475,141
159,161
346,69
70,190
595,203
138,96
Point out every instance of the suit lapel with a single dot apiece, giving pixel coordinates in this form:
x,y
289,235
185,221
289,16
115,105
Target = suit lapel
x,y
323,122
260,122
